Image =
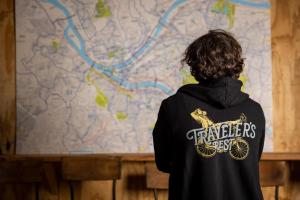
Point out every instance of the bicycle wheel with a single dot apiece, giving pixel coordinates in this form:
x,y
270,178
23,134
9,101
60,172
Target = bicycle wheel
x,y
239,149
206,150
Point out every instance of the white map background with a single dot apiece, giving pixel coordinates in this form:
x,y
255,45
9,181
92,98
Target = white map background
x,y
91,74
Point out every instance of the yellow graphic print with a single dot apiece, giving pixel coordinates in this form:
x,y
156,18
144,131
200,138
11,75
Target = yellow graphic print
x,y
221,137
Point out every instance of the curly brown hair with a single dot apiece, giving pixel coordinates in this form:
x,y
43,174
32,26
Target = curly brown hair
x,y
214,55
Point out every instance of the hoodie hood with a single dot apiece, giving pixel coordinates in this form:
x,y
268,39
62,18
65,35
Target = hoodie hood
x,y
224,92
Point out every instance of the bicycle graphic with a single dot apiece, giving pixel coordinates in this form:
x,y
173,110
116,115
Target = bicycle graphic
x,y
239,148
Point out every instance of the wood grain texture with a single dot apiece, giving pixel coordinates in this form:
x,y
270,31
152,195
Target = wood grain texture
x,y
51,178
7,78
285,25
89,168
21,171
155,178
149,157
286,76
132,185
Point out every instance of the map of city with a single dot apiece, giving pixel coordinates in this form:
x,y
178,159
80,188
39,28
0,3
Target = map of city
x,y
91,74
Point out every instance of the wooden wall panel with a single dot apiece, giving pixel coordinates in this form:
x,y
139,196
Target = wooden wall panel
x,y
8,91
7,78
285,39
285,25
286,74
132,186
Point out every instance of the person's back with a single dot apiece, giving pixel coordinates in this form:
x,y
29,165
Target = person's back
x,y
209,136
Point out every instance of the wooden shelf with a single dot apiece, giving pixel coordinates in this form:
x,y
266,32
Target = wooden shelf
x,y
272,156
281,156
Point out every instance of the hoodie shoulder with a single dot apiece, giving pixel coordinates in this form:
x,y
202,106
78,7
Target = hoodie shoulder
x,y
171,99
257,106
254,103
171,103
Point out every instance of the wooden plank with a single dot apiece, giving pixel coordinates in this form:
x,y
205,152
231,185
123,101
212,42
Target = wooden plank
x,y
58,157
46,158
95,190
21,171
273,173
23,192
7,78
44,193
91,168
64,190
138,157
275,156
283,156
285,15
51,177
132,186
76,190
286,76
155,178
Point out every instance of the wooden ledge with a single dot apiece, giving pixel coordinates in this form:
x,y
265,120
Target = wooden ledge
x,y
281,156
142,157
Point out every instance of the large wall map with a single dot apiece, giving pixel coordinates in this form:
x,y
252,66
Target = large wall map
x,y
91,74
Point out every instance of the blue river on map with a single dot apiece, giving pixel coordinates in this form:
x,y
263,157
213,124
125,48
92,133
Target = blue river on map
x,y
108,70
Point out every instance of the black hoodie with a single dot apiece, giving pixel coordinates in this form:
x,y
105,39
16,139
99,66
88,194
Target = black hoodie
x,y
210,137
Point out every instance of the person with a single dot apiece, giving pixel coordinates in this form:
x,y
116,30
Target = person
x,y
209,136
